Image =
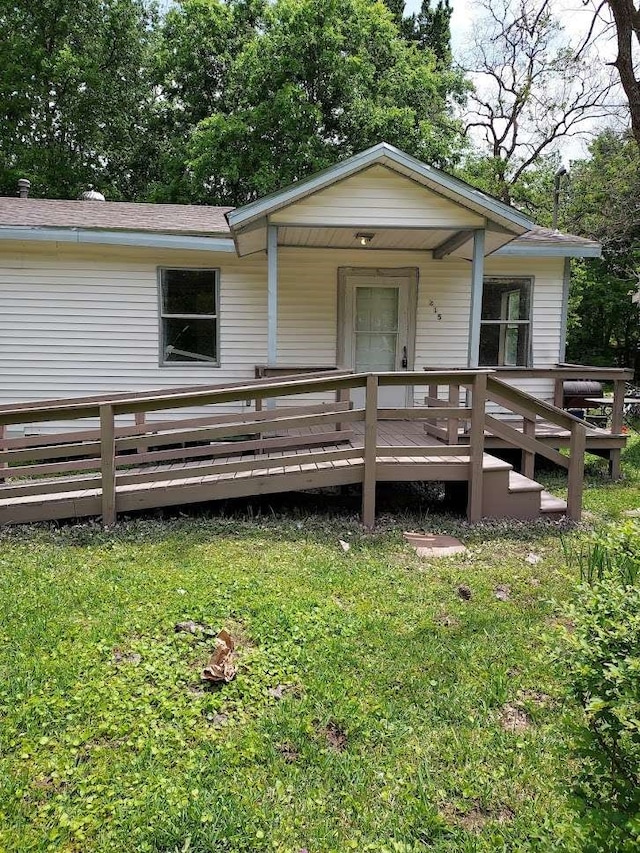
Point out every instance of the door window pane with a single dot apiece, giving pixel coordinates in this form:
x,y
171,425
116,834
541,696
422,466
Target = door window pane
x,y
376,329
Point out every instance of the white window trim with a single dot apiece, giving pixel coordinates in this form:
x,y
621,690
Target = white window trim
x,y
195,363
505,323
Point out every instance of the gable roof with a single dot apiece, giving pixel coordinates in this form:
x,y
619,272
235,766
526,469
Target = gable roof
x,y
386,155
183,226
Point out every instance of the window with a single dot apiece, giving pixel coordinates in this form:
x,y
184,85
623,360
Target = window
x,y
189,316
505,332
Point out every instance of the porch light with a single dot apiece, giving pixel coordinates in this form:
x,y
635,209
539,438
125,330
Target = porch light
x,y
365,239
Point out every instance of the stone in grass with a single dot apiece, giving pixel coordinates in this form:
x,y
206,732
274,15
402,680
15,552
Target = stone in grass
x,y
464,592
632,513
434,544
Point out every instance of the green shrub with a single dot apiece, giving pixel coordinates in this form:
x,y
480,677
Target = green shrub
x,y
600,657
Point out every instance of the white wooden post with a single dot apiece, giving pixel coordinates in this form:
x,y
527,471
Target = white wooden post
x,y
475,307
272,301
272,295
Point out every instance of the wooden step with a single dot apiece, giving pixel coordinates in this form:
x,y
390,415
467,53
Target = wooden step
x,y
518,483
551,506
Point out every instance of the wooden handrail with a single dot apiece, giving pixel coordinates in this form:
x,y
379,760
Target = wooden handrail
x,y
104,450
524,404
606,374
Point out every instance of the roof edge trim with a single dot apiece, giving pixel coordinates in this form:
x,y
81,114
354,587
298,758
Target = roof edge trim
x,y
551,250
117,238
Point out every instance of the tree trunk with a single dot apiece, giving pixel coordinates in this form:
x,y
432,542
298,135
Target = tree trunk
x,y
627,21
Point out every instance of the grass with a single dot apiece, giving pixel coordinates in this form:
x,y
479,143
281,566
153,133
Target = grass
x,y
374,708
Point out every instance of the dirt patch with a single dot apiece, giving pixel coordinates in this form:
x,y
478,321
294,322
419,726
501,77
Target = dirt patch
x,y
126,657
446,620
514,719
562,622
476,818
335,736
464,592
288,752
535,697
502,592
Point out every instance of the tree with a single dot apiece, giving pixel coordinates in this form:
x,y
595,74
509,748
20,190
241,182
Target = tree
x,y
430,29
625,22
531,89
74,95
325,79
198,44
603,204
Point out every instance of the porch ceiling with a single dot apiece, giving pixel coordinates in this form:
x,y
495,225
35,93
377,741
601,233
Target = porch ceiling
x,y
254,239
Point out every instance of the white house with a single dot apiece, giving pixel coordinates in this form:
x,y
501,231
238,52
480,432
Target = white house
x,y
378,263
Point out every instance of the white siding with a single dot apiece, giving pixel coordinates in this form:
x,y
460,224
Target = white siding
x,y
378,197
76,322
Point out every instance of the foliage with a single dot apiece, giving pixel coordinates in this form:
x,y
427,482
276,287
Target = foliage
x,y
602,203
73,95
198,43
601,659
530,89
325,79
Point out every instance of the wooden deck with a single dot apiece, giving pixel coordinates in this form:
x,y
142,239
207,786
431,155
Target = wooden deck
x,y
158,461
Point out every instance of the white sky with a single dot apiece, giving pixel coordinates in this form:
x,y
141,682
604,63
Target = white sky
x,y
575,18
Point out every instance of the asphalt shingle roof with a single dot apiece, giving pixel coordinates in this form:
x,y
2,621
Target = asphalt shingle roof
x,y
193,219
114,216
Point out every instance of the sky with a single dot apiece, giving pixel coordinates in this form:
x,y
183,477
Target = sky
x,y
576,19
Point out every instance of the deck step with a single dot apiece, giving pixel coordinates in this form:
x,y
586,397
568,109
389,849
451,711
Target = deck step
x,y
550,505
519,483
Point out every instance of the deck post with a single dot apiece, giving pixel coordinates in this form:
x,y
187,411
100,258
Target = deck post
x,y
343,395
140,420
475,306
476,447
453,423
528,458
617,423
577,447
370,452
108,464
3,465
558,393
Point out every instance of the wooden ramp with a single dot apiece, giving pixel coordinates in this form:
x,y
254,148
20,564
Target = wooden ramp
x,y
143,455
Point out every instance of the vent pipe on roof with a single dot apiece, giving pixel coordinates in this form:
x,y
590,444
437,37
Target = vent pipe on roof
x,y
24,185
560,173
91,195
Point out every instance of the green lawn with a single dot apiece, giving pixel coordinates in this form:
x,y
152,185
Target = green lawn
x,y
374,708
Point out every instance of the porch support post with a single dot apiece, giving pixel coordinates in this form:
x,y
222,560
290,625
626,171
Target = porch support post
x,y
475,307
272,295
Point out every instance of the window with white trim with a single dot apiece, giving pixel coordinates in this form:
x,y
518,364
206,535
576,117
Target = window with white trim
x,y
189,330
505,329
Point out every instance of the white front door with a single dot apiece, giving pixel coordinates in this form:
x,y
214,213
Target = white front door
x,y
377,328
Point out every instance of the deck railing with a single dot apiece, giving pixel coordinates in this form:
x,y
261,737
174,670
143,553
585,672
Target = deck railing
x,y
130,449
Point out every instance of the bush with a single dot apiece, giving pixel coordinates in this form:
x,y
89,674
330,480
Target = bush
x,y
600,657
